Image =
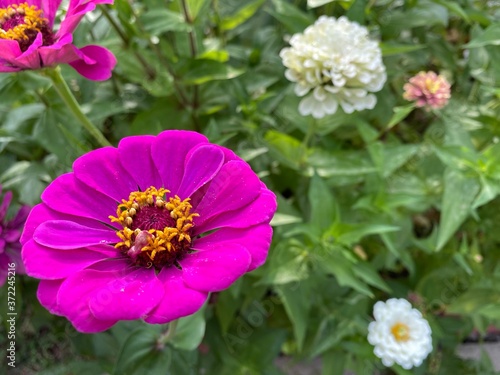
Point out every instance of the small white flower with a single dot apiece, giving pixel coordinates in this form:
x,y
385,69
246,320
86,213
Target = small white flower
x,y
333,62
399,333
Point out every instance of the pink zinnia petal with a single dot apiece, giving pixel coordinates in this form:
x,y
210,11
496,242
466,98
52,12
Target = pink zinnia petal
x,y
94,63
113,180
234,187
215,269
179,300
74,296
69,196
50,264
427,89
40,46
63,234
257,240
135,156
47,294
169,151
128,219
10,232
202,164
140,286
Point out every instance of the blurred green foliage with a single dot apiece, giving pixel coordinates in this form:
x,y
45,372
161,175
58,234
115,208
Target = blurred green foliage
x,y
393,202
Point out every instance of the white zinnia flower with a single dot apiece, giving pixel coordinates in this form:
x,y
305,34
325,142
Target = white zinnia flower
x,y
399,333
334,62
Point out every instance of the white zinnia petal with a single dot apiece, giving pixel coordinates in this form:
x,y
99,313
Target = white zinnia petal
x,y
399,334
335,55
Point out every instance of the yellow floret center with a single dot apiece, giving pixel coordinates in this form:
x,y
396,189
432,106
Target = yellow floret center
x,y
19,21
156,230
401,332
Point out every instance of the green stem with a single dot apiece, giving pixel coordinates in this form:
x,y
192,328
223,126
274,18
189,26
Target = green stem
x,y
305,143
69,99
167,336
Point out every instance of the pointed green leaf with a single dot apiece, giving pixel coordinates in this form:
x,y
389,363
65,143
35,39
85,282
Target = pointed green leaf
x,y
324,210
296,302
459,194
190,331
140,354
242,15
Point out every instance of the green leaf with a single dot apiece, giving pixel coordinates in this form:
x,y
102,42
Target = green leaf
x,y
140,354
369,275
389,48
294,19
195,6
489,37
242,15
190,331
349,234
459,194
454,8
341,268
287,149
203,70
351,163
297,302
399,115
475,300
59,136
324,210
159,20
284,219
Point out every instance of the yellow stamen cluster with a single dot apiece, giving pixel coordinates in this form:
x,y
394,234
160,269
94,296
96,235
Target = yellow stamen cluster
x,y
154,240
432,85
33,21
401,332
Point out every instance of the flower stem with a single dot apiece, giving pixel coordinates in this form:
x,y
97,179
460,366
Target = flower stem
x,y
167,336
69,99
311,130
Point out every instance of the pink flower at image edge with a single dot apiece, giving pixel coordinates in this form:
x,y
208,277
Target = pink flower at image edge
x,y
146,230
10,232
427,89
27,47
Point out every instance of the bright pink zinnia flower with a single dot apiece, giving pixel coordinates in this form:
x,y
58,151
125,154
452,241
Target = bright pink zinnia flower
x,y
427,89
28,41
10,232
146,230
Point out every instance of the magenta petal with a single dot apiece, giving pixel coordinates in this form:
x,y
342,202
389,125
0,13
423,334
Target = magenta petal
x,y
95,63
61,52
127,297
4,206
256,240
235,186
102,171
178,300
68,195
47,294
30,59
135,156
215,269
9,50
202,163
62,234
73,300
169,151
49,9
50,264
76,10
261,210
41,213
